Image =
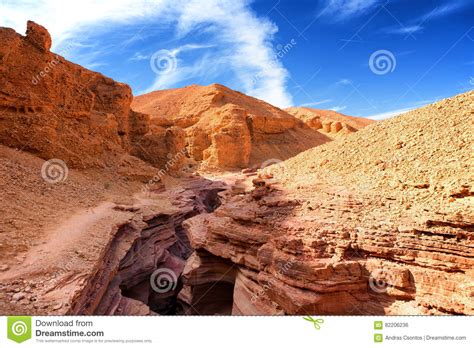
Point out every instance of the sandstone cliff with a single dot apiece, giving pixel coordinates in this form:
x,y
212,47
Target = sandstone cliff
x,y
227,129
57,109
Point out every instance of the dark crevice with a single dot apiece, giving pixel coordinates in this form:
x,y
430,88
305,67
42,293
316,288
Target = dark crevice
x,y
151,270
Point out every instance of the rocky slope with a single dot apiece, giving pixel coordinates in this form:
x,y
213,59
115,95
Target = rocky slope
x,y
328,122
57,109
227,129
380,223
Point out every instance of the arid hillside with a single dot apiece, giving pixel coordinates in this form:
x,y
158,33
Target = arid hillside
x,y
329,122
381,222
228,129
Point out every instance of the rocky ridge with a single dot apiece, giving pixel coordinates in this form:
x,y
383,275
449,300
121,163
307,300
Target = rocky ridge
x,y
228,129
330,123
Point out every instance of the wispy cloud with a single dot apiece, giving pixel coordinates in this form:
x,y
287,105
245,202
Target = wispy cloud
x,y
140,56
443,10
338,108
418,23
392,113
316,103
344,82
244,40
405,30
413,106
343,9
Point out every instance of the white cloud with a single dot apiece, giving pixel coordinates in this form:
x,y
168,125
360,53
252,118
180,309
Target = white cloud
x,y
348,8
344,82
405,30
317,103
388,114
338,108
436,12
140,56
249,45
415,105
244,40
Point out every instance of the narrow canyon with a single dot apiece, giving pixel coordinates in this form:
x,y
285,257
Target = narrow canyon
x,y
205,201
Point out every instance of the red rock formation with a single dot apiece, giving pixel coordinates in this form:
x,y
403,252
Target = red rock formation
x,y
57,109
227,129
329,122
38,35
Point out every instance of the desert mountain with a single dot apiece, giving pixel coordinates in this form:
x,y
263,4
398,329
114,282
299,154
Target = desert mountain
x,y
329,122
228,129
377,223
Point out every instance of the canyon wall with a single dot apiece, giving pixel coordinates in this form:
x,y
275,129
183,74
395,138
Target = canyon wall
x,y
57,109
380,223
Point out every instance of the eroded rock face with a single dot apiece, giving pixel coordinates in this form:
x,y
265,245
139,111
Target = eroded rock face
x,y
208,285
227,129
330,123
38,35
333,231
57,109
143,268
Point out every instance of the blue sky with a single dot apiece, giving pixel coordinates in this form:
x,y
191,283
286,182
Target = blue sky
x,y
360,57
